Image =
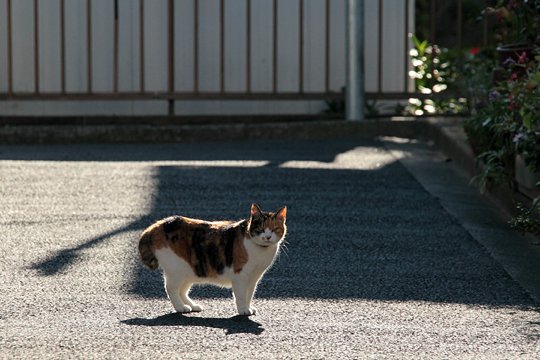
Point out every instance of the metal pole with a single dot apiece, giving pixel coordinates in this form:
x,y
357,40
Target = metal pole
x,y
354,97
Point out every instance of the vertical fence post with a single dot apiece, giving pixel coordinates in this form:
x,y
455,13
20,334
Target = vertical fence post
x,y
355,96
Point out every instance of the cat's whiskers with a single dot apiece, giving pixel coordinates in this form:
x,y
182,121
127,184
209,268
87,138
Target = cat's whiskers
x,y
283,248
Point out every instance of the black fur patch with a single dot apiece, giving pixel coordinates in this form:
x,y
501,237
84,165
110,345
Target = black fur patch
x,y
257,224
172,223
214,260
228,239
201,268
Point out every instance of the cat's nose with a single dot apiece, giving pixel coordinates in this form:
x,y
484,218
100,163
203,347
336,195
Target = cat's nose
x,y
268,237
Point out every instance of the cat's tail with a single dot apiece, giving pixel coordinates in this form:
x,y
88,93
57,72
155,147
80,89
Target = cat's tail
x,y
145,250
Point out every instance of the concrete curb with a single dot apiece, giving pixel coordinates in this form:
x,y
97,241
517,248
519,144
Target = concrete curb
x,y
450,138
126,133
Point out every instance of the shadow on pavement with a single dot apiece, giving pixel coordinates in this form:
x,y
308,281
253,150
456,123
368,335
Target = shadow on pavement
x,y
371,234
63,259
234,325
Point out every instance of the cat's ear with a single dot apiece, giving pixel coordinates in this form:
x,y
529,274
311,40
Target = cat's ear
x,y
255,210
281,214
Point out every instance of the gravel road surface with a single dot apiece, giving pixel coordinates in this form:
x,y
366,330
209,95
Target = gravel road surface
x,y
374,266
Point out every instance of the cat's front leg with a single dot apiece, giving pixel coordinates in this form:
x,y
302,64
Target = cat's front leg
x,y
247,311
243,289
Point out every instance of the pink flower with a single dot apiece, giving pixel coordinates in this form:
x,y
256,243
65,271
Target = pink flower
x,y
522,58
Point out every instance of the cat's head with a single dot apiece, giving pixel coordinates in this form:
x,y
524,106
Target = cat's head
x,y
267,228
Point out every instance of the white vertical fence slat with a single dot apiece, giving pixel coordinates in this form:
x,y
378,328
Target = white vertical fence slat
x,y
102,45
23,45
235,37
371,45
128,46
76,62
337,44
49,46
288,65
209,46
3,47
261,45
184,46
393,46
314,46
155,45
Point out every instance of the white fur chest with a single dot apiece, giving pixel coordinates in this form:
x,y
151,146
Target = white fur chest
x,y
259,258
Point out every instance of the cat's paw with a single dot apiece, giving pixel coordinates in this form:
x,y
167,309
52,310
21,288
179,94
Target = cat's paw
x,y
196,308
182,309
247,312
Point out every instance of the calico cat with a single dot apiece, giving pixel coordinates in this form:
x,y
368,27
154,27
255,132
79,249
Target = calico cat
x,y
223,253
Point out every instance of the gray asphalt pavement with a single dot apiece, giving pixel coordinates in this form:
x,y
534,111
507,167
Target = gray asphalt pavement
x,y
376,266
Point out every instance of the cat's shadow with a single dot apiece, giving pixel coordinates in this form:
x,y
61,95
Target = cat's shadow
x,y
238,324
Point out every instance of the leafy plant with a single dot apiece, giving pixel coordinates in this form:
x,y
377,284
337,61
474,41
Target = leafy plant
x,y
509,122
524,93
493,169
434,72
476,77
335,107
528,219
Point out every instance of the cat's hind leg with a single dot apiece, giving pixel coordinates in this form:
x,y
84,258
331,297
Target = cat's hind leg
x,y
184,291
174,287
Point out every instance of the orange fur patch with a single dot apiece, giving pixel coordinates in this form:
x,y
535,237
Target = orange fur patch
x,y
240,255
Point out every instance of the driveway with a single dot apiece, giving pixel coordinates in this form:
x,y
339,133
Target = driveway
x,y
374,266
